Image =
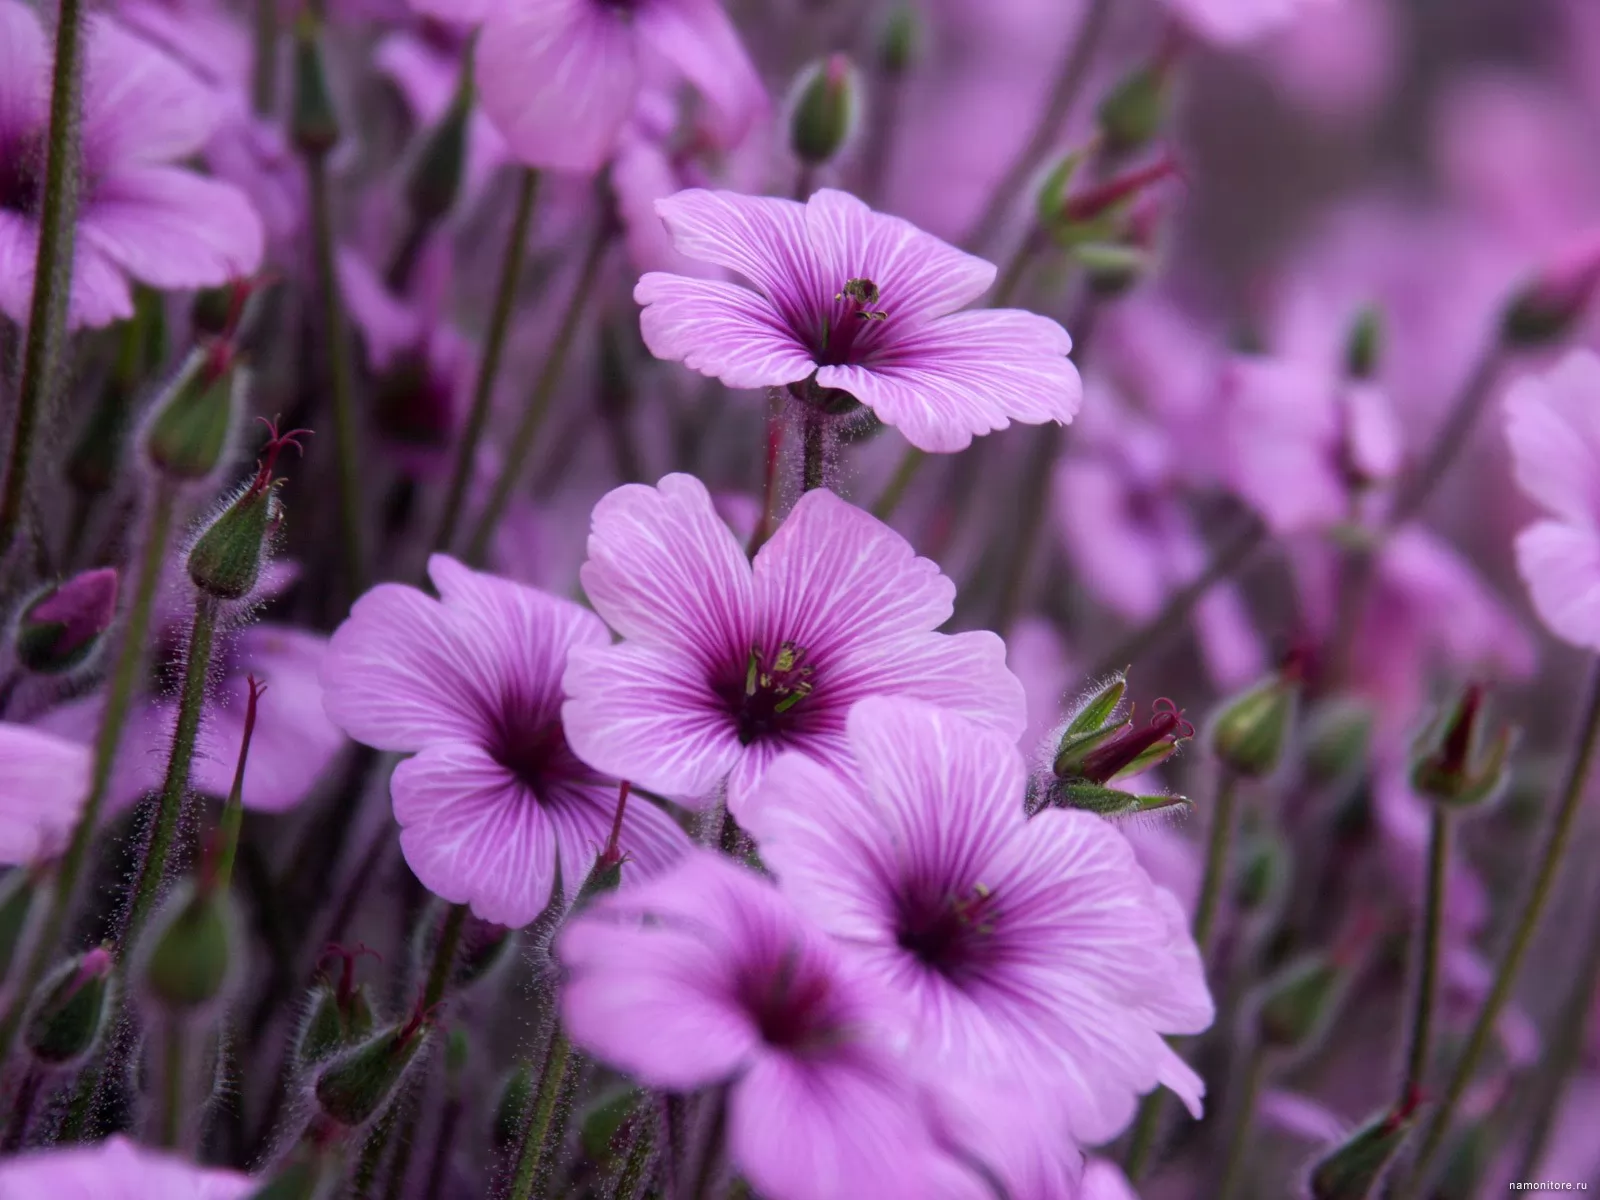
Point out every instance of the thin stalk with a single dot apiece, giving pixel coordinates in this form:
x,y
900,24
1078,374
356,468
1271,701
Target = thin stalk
x,y
1549,866
444,956
264,70
895,490
1452,436
494,345
1420,1045
172,1103
164,828
22,1110
1172,618
52,272
233,811
1244,1117
125,676
635,1173
814,465
769,490
372,1152
1074,73
343,372
404,1143
541,1115
539,400
1034,499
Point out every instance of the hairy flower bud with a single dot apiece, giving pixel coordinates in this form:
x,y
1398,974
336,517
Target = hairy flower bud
x,y
1547,309
359,1084
70,1013
59,628
1135,111
314,120
188,431
339,1013
1295,1007
1262,876
1248,735
192,956
825,110
17,890
225,561
1450,762
1338,738
511,1107
434,181
1352,1169
897,44
1364,344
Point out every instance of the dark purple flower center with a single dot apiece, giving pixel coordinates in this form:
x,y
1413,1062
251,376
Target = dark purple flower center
x,y
536,753
791,1006
413,402
847,330
950,935
773,684
21,178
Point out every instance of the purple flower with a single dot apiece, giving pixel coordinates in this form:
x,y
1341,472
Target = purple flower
x,y
116,1169
858,301
706,975
44,780
493,802
1036,953
138,216
1553,428
1236,22
560,78
727,663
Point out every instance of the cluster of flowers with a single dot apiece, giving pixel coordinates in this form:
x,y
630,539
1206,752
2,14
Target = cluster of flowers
x,y
712,843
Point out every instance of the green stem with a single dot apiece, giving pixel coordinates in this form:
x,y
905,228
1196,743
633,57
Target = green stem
x,y
1069,83
264,72
343,374
1421,1040
444,956
895,490
1173,617
1549,866
814,465
539,401
541,1115
372,1152
27,1096
52,274
493,348
404,1143
633,1177
125,676
233,810
769,479
175,787
172,1085
1244,1117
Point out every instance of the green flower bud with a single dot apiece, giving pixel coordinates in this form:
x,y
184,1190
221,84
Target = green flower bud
x,y
1104,801
434,181
225,561
192,958
1338,740
188,431
67,1019
16,902
604,1119
825,110
1052,195
1295,1007
1364,344
1135,111
314,120
1547,309
1450,763
338,1016
359,1084
1249,734
512,1106
1352,1169
1262,876
897,45
62,626
311,1173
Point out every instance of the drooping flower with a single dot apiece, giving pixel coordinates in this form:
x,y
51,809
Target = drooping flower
x,y
1553,429
494,804
560,78
44,780
706,975
728,663
1035,952
857,301
139,216
117,1169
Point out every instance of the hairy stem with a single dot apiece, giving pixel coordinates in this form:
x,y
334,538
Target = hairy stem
x,y
536,1130
1420,1043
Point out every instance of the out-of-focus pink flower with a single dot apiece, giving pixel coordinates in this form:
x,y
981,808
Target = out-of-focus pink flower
x,y
493,803
1336,60
863,302
139,216
44,780
117,1169
727,663
1553,429
1034,951
1237,22
707,975
560,78
1104,1180
1018,1139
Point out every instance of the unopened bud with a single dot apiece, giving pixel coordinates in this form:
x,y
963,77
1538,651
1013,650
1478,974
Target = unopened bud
x,y
1135,111
339,1013
1262,876
484,946
1547,309
825,110
1051,198
1451,763
1296,1007
311,1170
1122,749
897,45
63,625
314,121
1352,1169
1338,738
67,1019
190,424
358,1085
1364,345
1101,800
1249,734
435,178
192,959
225,561
512,1106
1112,267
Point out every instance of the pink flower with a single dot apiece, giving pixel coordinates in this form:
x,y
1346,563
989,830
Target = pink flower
x,y
1236,22
1553,429
1034,952
138,216
858,301
117,1169
493,802
44,780
1104,1180
707,975
728,663
560,78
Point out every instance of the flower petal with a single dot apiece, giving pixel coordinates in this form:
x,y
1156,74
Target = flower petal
x,y
140,106
965,374
1560,563
719,329
965,673
24,70
173,229
697,38
44,780
558,79
1553,429
580,818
